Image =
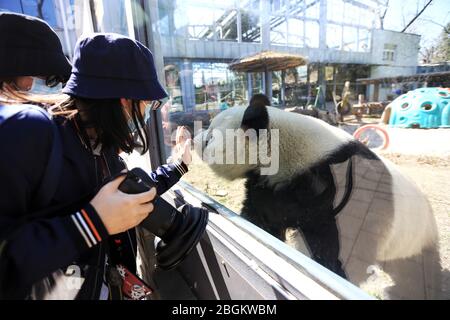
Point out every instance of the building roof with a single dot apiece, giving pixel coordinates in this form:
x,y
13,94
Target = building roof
x,y
268,61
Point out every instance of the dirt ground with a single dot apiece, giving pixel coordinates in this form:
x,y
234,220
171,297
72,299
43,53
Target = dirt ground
x,y
430,171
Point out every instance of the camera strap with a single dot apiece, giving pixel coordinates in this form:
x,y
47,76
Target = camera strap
x,y
111,278
122,283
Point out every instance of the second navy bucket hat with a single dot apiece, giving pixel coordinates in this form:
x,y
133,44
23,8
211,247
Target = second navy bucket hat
x,y
109,65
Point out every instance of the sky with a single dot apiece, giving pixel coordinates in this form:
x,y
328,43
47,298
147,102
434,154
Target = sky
x,y
427,25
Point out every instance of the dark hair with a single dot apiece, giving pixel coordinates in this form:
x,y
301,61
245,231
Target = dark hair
x,y
107,117
9,94
259,99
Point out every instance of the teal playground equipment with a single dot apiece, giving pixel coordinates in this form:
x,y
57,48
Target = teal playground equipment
x,y
421,108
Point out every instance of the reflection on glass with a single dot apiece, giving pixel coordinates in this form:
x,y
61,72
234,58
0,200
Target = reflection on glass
x,y
350,39
278,32
226,25
312,34
250,26
41,9
334,36
198,91
110,16
345,60
257,82
296,32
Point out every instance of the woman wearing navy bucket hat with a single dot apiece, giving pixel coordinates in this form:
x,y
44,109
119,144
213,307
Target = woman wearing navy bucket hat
x,y
85,227
32,62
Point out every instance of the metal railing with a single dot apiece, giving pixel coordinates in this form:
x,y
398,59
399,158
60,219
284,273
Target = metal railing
x,y
307,278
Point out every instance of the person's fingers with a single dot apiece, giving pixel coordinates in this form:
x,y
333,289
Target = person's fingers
x,y
146,208
188,144
114,185
182,134
179,134
144,197
187,133
187,151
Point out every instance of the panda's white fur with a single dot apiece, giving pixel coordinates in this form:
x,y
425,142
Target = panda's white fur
x,y
304,141
295,154
413,227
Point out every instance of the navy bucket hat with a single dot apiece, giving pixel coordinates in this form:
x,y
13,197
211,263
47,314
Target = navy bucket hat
x,y
29,47
109,65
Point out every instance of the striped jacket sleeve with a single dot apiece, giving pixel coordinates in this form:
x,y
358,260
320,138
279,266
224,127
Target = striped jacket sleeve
x,y
89,226
167,175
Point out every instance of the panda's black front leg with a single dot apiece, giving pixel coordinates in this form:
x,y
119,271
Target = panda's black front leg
x,y
259,208
252,216
323,241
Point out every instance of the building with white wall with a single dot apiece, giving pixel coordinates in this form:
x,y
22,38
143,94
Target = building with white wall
x,y
198,38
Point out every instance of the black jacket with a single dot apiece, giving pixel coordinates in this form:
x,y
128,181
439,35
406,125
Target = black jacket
x,y
70,232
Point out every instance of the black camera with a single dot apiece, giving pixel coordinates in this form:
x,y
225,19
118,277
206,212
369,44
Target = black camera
x,y
179,231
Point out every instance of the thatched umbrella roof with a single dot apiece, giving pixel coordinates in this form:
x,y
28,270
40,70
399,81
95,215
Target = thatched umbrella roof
x,y
268,61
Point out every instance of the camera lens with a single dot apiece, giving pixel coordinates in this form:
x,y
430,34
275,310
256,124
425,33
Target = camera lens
x,y
179,231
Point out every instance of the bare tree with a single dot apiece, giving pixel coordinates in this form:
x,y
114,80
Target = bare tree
x,y
437,50
417,15
443,45
382,10
427,54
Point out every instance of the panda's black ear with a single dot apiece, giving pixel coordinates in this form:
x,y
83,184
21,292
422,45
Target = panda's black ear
x,y
255,117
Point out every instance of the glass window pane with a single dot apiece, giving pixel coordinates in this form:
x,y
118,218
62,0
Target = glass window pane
x,y
312,9
350,36
250,26
226,25
335,10
358,68
296,32
279,6
11,5
111,16
44,10
364,40
278,31
250,4
312,34
334,36
200,22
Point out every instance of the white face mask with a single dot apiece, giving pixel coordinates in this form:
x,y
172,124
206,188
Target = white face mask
x,y
39,87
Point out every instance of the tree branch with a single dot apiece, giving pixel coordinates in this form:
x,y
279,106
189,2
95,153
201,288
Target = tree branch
x,y
416,16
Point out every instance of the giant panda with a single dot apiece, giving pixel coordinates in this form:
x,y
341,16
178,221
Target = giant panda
x,y
334,200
